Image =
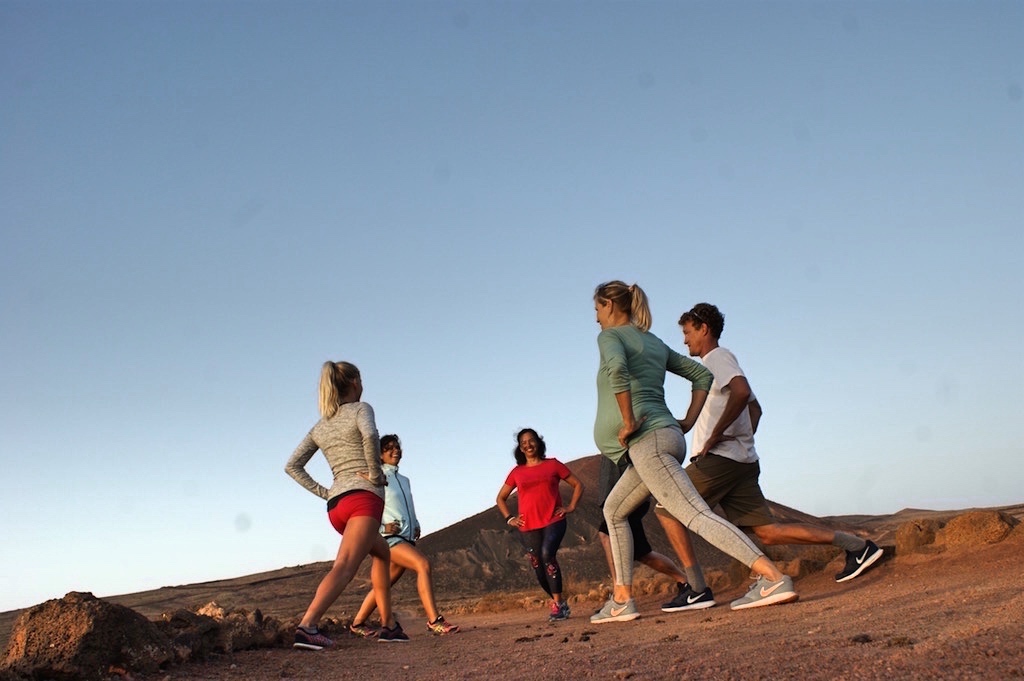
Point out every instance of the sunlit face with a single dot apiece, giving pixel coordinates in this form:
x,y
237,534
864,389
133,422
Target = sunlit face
x,y
603,310
528,445
694,338
392,454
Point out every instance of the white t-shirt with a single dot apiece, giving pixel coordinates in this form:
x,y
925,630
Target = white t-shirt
x,y
740,445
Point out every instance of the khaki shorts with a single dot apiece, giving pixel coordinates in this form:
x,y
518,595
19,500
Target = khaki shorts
x,y
733,486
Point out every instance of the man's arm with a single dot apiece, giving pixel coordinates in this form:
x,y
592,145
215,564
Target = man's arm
x,y
739,394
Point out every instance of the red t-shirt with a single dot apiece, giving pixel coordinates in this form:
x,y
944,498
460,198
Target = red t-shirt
x,y
538,492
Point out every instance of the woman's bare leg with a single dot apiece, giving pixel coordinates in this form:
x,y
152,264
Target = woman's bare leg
x,y
380,577
408,556
359,539
370,601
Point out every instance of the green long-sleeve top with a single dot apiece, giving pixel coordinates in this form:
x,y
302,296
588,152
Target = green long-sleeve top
x,y
636,361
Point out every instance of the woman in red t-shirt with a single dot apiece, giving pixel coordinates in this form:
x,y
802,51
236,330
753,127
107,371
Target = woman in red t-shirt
x,y
541,518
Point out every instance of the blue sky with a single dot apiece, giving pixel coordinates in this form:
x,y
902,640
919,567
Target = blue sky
x,y
200,202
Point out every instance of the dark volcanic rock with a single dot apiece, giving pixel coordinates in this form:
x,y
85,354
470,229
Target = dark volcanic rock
x,y
82,637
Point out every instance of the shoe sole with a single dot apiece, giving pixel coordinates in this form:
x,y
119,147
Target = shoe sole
x,y
628,617
453,630
393,640
777,598
307,646
694,606
868,562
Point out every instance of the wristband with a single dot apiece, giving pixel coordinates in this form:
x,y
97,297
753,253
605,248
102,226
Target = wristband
x,y
509,517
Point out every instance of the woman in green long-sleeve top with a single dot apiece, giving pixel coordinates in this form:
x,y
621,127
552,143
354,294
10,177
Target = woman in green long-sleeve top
x,y
634,421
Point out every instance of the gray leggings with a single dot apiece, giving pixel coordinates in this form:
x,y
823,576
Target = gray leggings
x,y
657,470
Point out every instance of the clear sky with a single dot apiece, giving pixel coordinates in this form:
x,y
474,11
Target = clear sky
x,y
200,202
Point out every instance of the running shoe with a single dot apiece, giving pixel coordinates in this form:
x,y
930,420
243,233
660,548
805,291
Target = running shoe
x,y
440,626
363,630
395,635
766,592
859,561
686,599
615,612
559,611
311,640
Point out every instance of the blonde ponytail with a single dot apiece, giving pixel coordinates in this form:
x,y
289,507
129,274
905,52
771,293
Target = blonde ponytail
x,y
639,311
336,381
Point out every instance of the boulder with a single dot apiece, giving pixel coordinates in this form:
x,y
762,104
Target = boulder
x,y
916,536
83,637
975,528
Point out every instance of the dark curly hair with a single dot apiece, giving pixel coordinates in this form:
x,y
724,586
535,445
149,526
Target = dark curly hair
x,y
705,314
541,447
387,440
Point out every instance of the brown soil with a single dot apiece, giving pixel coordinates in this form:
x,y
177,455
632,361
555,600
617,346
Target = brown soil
x,y
947,601
958,614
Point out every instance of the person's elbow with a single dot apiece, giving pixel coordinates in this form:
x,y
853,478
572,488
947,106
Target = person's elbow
x,y
739,389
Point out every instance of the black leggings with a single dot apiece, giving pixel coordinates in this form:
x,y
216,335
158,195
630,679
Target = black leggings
x,y
541,546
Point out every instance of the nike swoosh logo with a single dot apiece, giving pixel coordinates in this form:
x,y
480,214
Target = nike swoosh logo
x,y
861,558
693,599
769,591
618,611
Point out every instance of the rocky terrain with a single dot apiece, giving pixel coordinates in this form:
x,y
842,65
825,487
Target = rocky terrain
x,y
946,602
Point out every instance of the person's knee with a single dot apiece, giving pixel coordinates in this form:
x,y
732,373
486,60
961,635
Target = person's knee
x,y
768,534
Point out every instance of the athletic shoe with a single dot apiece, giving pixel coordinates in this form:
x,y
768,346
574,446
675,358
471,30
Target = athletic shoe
x,y
615,612
363,630
395,635
859,561
686,599
559,611
439,626
311,641
767,592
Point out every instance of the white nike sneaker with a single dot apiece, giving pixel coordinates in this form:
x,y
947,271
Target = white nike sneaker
x,y
615,612
765,592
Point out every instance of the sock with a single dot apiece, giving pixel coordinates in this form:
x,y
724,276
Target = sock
x,y
848,542
695,577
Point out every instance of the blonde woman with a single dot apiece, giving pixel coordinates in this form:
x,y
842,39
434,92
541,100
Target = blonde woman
x,y
347,435
634,424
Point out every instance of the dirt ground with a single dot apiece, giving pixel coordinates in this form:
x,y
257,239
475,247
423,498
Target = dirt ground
x,y
958,614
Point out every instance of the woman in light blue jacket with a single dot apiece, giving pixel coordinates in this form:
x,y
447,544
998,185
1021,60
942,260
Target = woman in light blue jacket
x,y
401,529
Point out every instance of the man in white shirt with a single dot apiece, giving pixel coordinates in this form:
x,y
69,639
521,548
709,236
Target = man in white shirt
x,y
725,469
